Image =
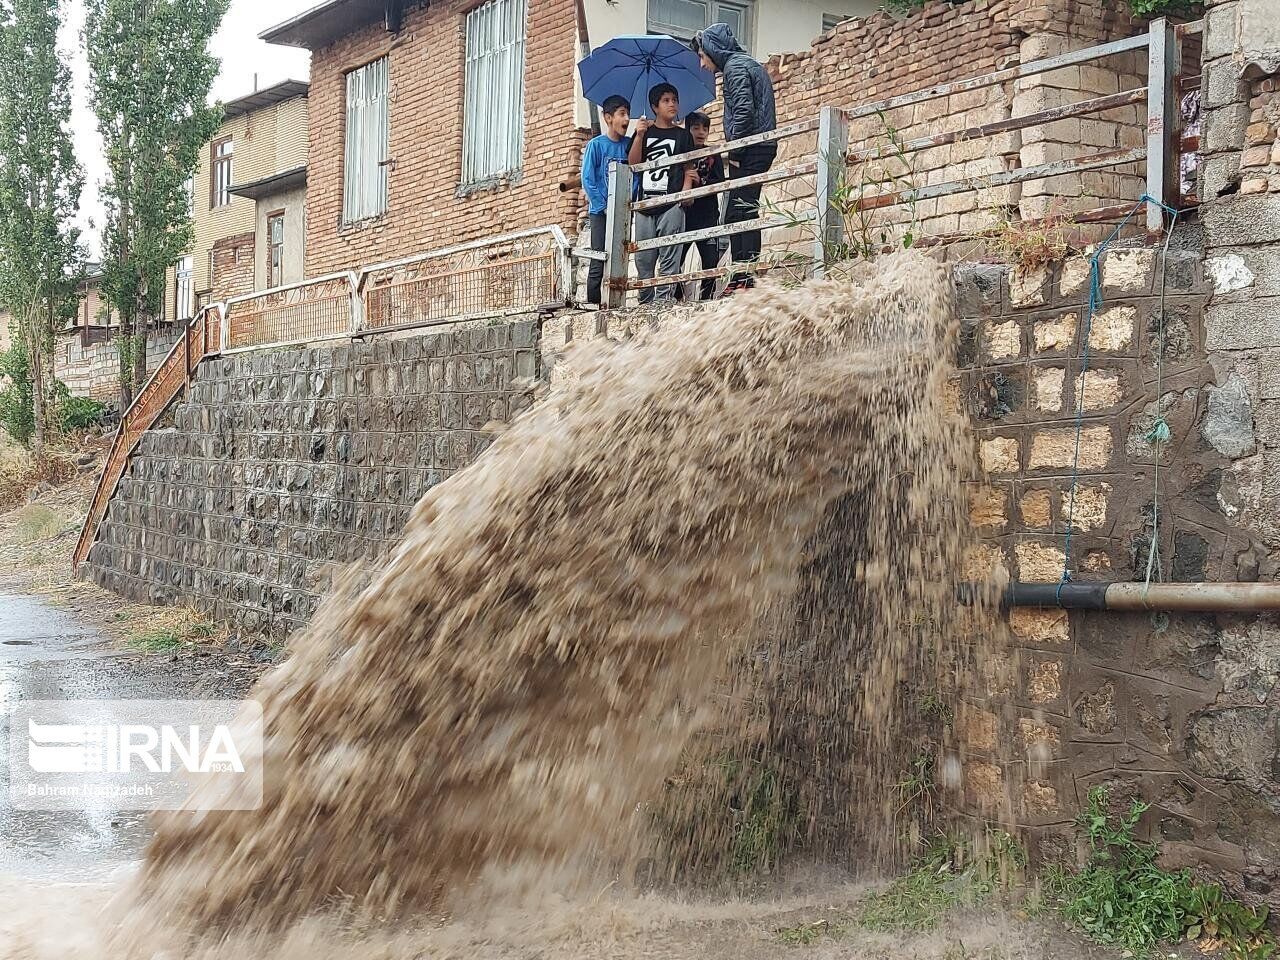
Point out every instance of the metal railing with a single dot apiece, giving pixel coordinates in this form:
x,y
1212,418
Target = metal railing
x,y
527,271
505,275
199,338
818,210
524,272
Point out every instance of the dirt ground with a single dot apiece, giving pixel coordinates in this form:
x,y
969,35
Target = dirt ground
x,y
38,534
185,650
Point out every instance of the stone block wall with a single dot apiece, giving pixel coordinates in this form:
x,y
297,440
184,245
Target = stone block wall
x,y
1181,710
279,469
91,367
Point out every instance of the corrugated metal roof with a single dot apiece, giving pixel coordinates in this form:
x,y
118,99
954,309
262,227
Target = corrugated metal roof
x,y
267,97
328,21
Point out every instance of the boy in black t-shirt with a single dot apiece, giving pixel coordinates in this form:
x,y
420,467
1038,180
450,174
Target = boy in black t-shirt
x,y
655,141
704,211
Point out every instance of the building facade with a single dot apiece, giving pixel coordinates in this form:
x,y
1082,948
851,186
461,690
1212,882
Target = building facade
x,y
247,202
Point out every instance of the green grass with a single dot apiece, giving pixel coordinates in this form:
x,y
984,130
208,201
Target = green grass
x,y
38,522
1123,898
949,876
158,640
806,934
162,639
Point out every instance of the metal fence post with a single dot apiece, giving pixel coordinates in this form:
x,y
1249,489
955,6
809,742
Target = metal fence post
x,y
833,141
1164,122
355,290
224,327
617,231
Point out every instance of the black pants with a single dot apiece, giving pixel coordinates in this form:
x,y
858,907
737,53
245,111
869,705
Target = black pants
x,y
744,202
595,268
709,255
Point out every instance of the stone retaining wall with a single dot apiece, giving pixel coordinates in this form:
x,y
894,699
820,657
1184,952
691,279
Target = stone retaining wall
x,y
1183,711
281,468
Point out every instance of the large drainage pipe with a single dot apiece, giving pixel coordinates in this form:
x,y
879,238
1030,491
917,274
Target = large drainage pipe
x,y
1183,597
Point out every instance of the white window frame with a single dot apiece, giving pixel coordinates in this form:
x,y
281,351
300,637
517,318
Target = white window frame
x,y
222,158
367,141
493,91
184,288
832,20
745,7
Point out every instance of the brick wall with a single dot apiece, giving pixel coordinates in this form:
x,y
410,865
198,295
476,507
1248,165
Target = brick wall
x,y
1260,161
232,266
424,208
868,59
280,468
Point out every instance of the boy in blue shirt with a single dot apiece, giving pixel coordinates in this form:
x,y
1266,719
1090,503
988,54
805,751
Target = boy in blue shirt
x,y
612,145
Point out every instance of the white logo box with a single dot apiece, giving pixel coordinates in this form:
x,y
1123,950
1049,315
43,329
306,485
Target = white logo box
x,y
135,754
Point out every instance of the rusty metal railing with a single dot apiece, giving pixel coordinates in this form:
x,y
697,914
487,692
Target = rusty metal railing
x,y
505,275
521,272
817,202
169,379
307,312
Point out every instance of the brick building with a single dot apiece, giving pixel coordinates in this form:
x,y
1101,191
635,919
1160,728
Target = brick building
x,y
405,157
441,160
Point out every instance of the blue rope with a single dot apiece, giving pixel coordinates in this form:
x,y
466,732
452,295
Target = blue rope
x,y
1095,302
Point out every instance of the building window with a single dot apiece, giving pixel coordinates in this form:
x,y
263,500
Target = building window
x,y
275,250
683,18
184,289
493,110
364,187
220,173
831,20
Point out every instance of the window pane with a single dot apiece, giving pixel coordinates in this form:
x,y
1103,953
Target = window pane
x,y
734,19
493,102
677,17
735,15
367,142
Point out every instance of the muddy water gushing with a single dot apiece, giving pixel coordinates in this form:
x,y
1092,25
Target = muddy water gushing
x,y
739,532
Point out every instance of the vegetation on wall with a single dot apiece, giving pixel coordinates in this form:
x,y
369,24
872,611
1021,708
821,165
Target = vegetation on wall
x,y
1123,897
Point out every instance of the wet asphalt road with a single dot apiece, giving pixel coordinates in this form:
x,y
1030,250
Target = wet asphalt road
x,y
46,654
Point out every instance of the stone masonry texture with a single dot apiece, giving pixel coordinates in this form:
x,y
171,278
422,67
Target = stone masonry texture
x,y
280,469
1181,710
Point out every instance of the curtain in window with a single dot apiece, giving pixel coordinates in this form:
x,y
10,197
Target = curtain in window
x,y
493,117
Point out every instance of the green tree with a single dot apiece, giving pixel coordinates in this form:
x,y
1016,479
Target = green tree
x,y
150,76
41,259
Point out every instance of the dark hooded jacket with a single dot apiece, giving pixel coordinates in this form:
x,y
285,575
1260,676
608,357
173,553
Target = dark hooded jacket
x,y
748,91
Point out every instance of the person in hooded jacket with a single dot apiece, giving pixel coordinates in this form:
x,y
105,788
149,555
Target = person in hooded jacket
x,y
748,109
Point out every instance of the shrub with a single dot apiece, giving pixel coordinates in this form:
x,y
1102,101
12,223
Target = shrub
x,y
78,413
17,415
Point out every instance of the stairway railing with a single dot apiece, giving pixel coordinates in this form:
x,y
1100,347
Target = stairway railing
x,y
200,338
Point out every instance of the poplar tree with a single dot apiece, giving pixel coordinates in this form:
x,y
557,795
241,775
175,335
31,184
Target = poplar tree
x,y
41,259
150,76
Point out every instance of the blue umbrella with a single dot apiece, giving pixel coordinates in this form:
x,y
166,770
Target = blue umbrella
x,y
631,66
